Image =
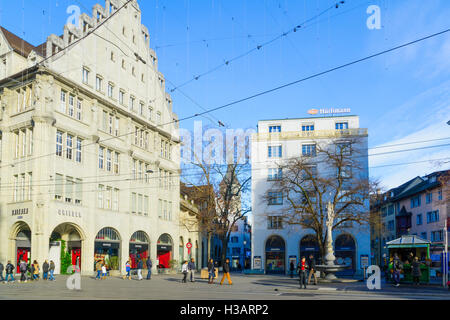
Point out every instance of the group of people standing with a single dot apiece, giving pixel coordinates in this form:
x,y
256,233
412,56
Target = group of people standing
x,y
305,269
28,271
140,266
397,267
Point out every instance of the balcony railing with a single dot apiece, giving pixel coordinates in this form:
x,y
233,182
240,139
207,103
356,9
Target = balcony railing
x,y
294,135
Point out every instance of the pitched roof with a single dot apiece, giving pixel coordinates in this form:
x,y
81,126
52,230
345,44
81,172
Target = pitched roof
x,y
408,240
18,44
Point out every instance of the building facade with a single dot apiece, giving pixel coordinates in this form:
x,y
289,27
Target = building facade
x,y
418,207
89,147
275,245
239,246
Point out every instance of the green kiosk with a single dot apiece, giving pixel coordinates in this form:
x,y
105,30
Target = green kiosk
x,y
407,247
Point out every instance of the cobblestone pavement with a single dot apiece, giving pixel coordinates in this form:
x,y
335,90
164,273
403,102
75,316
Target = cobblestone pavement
x,y
169,287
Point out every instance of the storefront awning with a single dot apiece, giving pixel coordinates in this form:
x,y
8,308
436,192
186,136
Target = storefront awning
x,y
408,241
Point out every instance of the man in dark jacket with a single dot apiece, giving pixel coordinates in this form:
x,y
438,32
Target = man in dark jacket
x,y
226,272
312,269
23,267
211,271
45,268
191,269
1,272
9,271
52,270
149,268
397,268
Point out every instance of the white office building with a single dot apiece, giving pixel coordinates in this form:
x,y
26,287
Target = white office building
x,y
275,244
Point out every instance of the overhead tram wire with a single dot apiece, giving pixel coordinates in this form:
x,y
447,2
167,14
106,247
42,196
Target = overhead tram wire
x,y
273,89
200,174
193,169
258,47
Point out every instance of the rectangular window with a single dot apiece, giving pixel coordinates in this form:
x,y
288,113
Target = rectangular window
x,y
140,165
58,186
116,127
116,163
133,202
121,96
307,127
274,222
98,83
275,198
17,144
275,129
16,188
440,195
78,191
22,187
110,90
141,109
115,200
419,219
274,152
146,205
71,105
140,200
23,133
428,197
158,118
31,144
159,208
78,154
101,190
416,201
275,174
85,75
309,150
423,235
105,121
69,147
100,157
108,198
110,124
341,125
62,104
150,114
30,184
108,160
69,189
79,109
131,106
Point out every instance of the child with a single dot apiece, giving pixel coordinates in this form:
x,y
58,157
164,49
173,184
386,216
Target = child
x,y
103,272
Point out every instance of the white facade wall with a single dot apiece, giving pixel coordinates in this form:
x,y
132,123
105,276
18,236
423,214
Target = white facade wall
x,y
324,130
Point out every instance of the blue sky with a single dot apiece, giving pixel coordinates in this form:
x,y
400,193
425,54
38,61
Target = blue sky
x,y
400,97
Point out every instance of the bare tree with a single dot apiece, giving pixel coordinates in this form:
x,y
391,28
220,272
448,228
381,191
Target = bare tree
x,y
333,172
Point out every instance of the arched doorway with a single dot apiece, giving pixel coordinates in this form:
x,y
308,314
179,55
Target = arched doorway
x,y
139,248
22,236
275,255
65,247
164,249
345,253
310,246
107,248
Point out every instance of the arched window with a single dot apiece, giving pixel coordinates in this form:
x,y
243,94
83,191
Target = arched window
x,y
139,236
108,234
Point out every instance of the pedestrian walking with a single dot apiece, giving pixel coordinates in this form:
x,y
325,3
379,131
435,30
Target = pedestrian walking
x,y
52,270
31,271
128,270
226,272
104,272
397,268
36,270
302,267
23,268
98,268
9,272
211,271
45,269
184,270
312,269
416,273
191,270
2,267
149,268
140,266
291,269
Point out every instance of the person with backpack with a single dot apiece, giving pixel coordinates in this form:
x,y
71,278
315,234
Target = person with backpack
x,y
149,268
2,267
23,268
9,272
52,270
302,267
397,268
45,268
